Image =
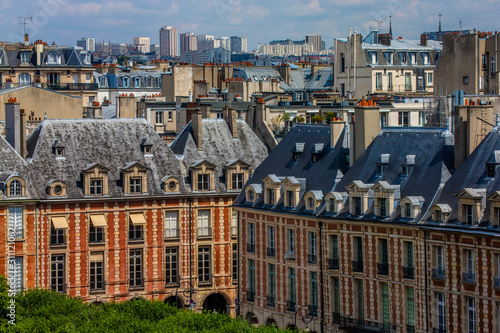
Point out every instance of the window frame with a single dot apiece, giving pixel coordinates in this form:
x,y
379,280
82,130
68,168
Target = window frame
x,y
136,268
58,273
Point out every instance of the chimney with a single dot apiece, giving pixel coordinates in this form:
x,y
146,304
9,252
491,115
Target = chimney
x,y
366,128
13,124
39,53
126,107
423,40
472,124
196,125
260,110
22,132
336,128
231,120
26,39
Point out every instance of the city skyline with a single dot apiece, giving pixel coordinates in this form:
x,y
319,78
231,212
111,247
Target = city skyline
x,y
64,23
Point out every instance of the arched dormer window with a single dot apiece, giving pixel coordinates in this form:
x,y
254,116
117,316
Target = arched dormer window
x,y
149,82
312,199
410,206
15,186
440,212
252,192
56,188
103,82
53,59
334,201
125,82
137,82
170,184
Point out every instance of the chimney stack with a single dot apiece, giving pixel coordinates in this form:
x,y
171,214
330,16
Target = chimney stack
x,y
196,125
13,124
336,128
366,128
231,120
26,39
423,40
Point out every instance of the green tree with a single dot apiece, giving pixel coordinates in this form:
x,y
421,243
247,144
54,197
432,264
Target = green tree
x,y
318,119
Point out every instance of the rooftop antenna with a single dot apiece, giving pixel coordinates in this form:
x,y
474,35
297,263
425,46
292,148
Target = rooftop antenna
x,y
379,24
390,25
25,21
460,23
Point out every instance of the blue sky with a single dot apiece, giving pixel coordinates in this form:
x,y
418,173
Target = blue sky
x,y
65,21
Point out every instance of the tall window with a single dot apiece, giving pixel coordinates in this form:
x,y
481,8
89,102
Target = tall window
x,y
334,250
159,117
439,258
403,119
358,254
342,63
17,278
407,81
471,314
314,292
203,181
291,241
16,221
235,262
430,77
385,306
251,279
378,81
57,273
15,188
291,289
25,57
357,206
125,82
135,269
383,266
336,300
441,312
468,275
171,265
411,308
171,224
96,271
289,198
312,248
204,229
383,207
95,186
204,269
389,81
251,237
272,285
408,269
468,214
408,210
359,300
270,196
493,66
135,232
237,181
271,233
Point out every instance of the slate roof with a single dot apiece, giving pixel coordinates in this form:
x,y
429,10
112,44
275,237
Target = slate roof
x,y
219,147
472,177
115,80
433,150
320,176
70,56
113,143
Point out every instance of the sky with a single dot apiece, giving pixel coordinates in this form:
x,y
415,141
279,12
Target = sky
x,y
65,21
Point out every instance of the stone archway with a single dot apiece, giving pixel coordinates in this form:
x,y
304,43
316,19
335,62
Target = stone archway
x,y
252,318
271,322
172,300
216,302
291,327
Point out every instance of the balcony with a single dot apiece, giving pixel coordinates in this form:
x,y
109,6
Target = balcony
x,y
251,247
410,328
468,278
172,233
271,252
439,330
333,264
250,296
271,301
438,274
312,258
70,86
496,282
205,232
357,266
408,272
349,324
335,318
290,305
382,269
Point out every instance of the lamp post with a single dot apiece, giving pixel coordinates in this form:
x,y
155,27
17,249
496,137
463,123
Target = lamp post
x,y
306,318
186,292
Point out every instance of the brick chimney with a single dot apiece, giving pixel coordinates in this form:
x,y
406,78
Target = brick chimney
x,y
13,124
196,125
26,39
423,40
366,127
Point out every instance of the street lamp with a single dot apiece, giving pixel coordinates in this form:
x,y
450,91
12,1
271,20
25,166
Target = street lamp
x,y
188,292
307,317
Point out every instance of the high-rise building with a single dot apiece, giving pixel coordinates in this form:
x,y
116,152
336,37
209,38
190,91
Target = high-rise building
x,y
168,42
315,40
88,44
238,44
142,44
188,42
225,43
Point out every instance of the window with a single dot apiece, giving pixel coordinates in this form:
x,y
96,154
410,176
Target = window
x,y
291,241
357,206
332,206
251,280
310,203
468,275
402,57
125,82
270,196
441,312
314,293
410,298
96,234
53,79
438,270
408,210
103,82
251,237
271,250
57,270
16,274
159,117
425,58
137,82
359,300
291,289
490,170
465,80
96,271
312,248
204,269
408,269
385,306
204,228
24,79
135,269
95,186
171,265
290,198
15,188
342,63
235,262
170,115
237,181
389,58
373,57
149,82
135,185
57,236
383,207
378,81
234,224
430,77
251,197
16,222
408,81
358,254
171,224
272,285
389,81
468,214
471,314
493,66
336,300
383,265
403,119
52,58
413,58
333,261
25,57
203,182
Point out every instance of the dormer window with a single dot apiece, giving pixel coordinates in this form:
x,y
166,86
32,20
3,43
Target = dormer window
x,y
413,58
146,147
202,175
135,178
334,201
471,205
272,185
425,58
410,206
402,57
15,188
58,149
135,185
270,196
373,57
312,199
290,200
137,82
291,188
103,82
53,59
389,58
494,201
310,203
149,82
237,174
56,188
407,165
492,164
297,150
125,82
358,197
252,192
250,196
170,184
95,179
384,198
440,212
203,182
95,186
316,152
382,163
24,57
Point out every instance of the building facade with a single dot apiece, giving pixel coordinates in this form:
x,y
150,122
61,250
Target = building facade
x,y
168,42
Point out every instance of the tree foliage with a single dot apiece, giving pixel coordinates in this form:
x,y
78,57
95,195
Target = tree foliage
x,y
39,311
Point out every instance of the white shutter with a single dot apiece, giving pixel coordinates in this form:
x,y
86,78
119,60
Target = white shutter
x,y
16,221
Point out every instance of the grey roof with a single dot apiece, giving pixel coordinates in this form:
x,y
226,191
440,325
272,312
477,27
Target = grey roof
x,y
70,56
255,74
219,147
114,144
302,80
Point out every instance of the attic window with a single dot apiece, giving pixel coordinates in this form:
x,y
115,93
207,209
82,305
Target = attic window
x,y
490,170
317,150
58,149
492,164
407,165
15,188
137,82
382,163
125,82
297,150
25,57
146,147
250,196
310,204
53,59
